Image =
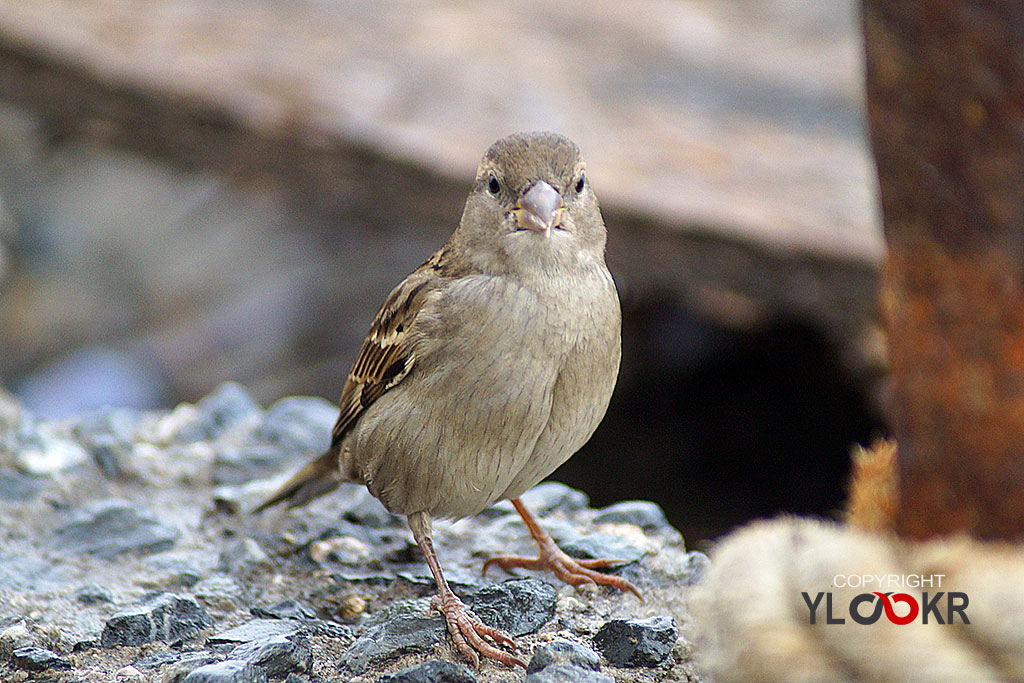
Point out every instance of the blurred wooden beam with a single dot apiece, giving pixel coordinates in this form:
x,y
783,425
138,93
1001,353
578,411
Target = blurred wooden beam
x,y
945,83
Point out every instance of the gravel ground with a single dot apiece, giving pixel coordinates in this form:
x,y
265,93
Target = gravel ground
x,y
127,554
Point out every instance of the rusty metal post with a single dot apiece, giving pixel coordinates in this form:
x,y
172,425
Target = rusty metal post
x,y
945,85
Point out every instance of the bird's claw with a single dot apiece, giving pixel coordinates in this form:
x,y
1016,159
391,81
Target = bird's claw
x,y
468,633
570,570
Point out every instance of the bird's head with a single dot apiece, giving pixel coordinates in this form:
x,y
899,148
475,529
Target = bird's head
x,y
531,207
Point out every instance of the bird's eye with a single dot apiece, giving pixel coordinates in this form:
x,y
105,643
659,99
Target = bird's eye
x,y
580,183
493,186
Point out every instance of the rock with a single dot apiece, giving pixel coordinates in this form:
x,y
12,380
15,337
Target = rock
x,y
697,566
563,652
40,451
107,435
176,571
108,454
341,550
239,554
17,487
12,638
237,466
402,628
565,673
165,617
516,606
548,497
363,509
600,546
298,424
256,629
129,673
642,513
637,642
229,671
157,659
93,594
278,655
186,664
286,609
434,671
111,527
38,659
220,592
228,407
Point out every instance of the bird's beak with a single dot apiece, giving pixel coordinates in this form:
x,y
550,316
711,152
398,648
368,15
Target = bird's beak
x,y
539,209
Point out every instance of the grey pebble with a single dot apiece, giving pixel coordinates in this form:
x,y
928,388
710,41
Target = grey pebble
x,y
697,567
278,655
563,652
642,513
157,659
285,609
602,546
17,487
38,659
566,673
298,424
402,628
109,528
166,617
227,407
256,629
516,606
93,594
434,671
229,671
221,592
239,554
637,642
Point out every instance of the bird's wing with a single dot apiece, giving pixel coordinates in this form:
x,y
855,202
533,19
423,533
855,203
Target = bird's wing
x,y
385,358
386,355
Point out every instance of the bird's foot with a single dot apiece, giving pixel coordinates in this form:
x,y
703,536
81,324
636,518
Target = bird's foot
x,y
569,569
468,632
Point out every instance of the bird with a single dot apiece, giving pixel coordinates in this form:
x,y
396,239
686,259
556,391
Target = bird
x,y
485,369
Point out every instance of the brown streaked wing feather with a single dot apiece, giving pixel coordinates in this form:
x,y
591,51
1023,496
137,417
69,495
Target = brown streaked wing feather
x,y
386,356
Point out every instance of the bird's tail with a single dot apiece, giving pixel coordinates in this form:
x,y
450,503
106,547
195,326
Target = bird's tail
x,y
319,477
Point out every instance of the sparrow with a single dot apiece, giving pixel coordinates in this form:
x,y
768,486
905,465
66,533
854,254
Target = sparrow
x,y
486,369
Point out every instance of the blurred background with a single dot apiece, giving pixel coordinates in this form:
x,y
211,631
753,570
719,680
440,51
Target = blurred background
x,y
194,192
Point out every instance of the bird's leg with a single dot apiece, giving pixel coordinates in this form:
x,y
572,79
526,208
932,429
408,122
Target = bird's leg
x,y
553,559
466,630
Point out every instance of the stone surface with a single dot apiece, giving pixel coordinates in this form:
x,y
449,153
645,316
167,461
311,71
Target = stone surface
x,y
563,652
247,590
257,629
402,628
641,513
285,609
434,671
165,617
17,487
565,673
110,528
516,606
637,642
601,546
240,553
38,659
93,594
230,671
299,423
228,407
277,655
